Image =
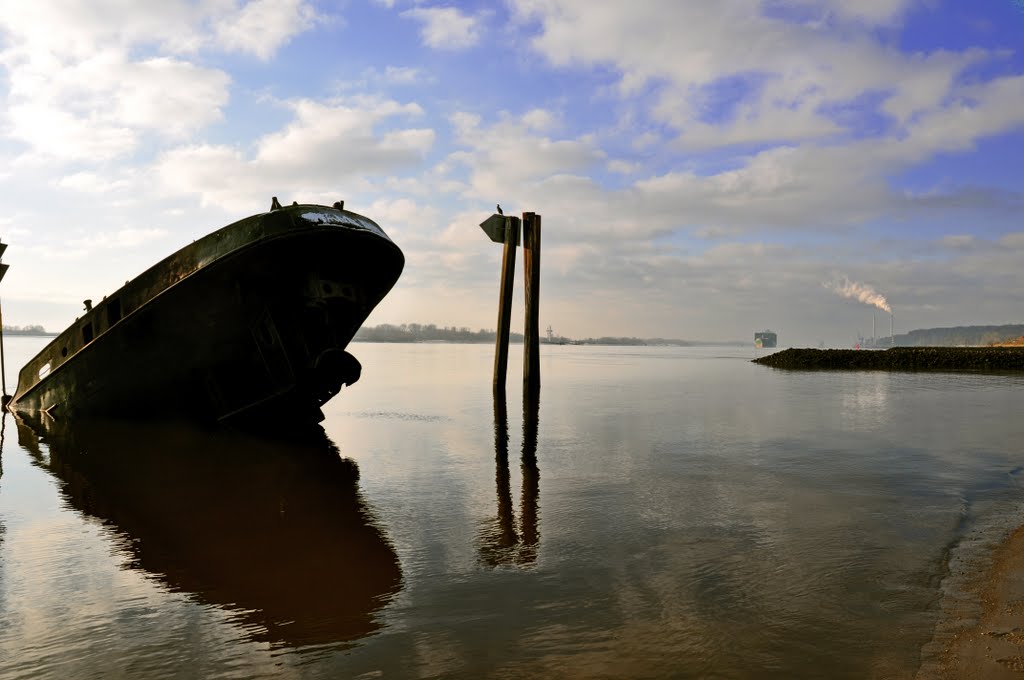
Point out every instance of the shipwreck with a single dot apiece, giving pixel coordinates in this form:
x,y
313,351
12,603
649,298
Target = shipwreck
x,y
246,324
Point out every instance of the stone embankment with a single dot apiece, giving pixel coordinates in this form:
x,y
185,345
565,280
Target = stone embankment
x,y
901,359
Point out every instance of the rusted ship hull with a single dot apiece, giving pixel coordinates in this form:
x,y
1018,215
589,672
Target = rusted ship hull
x,y
247,323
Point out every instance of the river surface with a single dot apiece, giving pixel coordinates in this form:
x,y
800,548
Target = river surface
x,y
661,513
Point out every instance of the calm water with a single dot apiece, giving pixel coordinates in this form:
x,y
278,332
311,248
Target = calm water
x,y
665,512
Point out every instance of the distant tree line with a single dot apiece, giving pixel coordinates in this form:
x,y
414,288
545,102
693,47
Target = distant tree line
x,y
414,332
25,330
960,336
653,342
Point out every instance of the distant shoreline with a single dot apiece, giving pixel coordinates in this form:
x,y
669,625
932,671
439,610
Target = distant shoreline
x,y
516,341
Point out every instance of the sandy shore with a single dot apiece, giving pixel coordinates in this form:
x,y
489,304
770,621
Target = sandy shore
x,y
982,635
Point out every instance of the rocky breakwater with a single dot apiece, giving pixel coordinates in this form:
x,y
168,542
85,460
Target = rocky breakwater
x,y
901,359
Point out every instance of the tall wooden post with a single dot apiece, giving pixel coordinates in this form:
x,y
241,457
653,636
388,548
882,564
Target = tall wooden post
x,y
5,398
531,331
3,365
508,272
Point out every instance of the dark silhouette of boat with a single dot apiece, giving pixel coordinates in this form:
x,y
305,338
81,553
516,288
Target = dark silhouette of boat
x,y
249,320
273,531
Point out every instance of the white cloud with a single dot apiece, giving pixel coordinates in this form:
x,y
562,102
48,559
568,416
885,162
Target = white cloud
x,y
958,241
446,28
787,75
740,75
871,12
162,94
759,121
88,79
261,27
77,28
401,211
97,108
324,135
981,110
781,188
933,81
122,238
324,146
91,183
402,75
539,119
374,78
623,167
61,135
645,140
508,158
1013,242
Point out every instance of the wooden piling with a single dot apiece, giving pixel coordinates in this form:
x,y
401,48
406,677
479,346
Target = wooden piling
x,y
5,398
508,271
531,273
531,475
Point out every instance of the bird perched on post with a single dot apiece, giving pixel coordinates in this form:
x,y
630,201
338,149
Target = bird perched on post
x,y
499,209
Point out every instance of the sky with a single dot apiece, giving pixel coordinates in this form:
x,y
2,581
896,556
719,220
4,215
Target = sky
x,y
704,169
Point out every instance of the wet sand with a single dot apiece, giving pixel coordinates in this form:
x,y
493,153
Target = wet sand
x,y
982,634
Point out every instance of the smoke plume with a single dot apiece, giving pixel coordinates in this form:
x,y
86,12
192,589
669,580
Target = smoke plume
x,y
860,292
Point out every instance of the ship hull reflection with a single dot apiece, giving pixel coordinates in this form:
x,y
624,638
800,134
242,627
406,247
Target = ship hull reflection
x,y
274,531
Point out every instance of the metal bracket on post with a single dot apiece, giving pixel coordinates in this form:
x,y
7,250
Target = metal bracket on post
x,y
496,226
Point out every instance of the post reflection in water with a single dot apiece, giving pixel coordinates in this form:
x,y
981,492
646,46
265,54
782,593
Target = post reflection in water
x,y
500,542
3,436
273,531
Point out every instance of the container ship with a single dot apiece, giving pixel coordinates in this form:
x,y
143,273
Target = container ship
x,y
765,339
